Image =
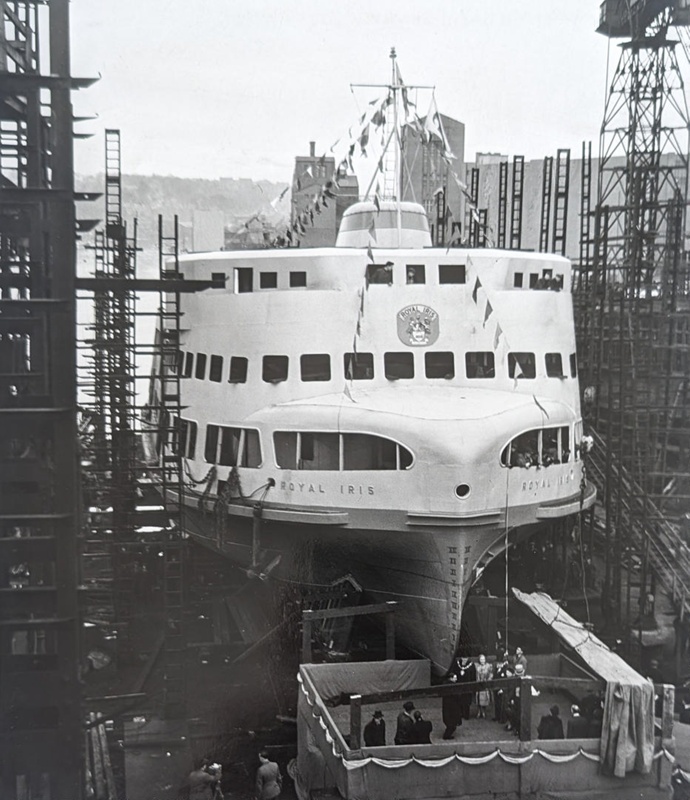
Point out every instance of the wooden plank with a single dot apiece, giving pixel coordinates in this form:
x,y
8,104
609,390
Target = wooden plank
x,y
111,792
355,721
350,611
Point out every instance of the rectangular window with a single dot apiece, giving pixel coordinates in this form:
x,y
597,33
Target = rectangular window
x,y
398,366
188,365
215,372
358,366
319,451
191,439
184,438
275,369
298,280
251,456
451,273
363,451
380,273
244,280
179,362
316,367
533,278
211,446
439,365
522,365
238,370
285,445
219,278
517,280
554,365
480,365
200,371
573,365
229,446
415,273
268,280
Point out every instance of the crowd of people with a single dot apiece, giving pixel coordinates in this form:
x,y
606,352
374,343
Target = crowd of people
x,y
501,705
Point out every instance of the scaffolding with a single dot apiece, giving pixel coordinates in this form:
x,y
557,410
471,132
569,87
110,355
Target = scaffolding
x,y
41,739
635,323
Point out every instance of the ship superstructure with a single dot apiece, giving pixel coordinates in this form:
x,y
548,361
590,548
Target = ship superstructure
x,y
401,414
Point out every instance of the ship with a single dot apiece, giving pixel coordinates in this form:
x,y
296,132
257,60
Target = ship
x,y
382,409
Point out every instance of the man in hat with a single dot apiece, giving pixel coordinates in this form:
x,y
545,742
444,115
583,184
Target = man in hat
x,y
421,730
404,733
375,730
550,725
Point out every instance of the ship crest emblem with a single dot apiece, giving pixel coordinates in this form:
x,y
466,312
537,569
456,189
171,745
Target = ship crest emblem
x,y
417,325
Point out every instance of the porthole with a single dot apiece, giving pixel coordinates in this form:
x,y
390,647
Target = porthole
x,y
462,490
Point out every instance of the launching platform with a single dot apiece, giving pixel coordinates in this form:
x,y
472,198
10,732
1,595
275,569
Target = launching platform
x,y
632,758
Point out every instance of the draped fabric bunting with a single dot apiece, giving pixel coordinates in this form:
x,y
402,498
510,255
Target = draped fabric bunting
x,y
434,763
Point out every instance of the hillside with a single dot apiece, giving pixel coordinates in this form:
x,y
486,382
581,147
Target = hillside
x,y
144,197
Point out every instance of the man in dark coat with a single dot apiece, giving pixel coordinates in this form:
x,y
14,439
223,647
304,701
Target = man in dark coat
x,y
578,726
403,733
503,670
450,709
467,673
375,731
550,725
421,730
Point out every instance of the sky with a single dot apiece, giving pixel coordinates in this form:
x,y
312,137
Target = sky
x,y
238,88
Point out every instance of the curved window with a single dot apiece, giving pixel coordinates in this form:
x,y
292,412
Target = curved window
x,y
318,450
538,448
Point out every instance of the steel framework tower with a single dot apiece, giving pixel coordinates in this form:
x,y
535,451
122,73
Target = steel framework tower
x,y
636,318
40,716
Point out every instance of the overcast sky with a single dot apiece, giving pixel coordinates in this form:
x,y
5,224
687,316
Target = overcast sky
x,y
238,88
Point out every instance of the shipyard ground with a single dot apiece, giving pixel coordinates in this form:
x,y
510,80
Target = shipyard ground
x,y
242,698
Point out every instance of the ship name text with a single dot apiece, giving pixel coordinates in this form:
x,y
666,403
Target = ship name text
x,y
317,488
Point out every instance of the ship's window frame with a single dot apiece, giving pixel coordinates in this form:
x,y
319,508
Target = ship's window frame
x,y
573,365
480,361
239,366
358,366
200,367
215,370
268,280
179,362
527,363
415,273
539,447
533,278
401,358
452,274
553,363
279,365
315,367
243,280
314,451
298,279
444,366
517,280
188,369
211,443
184,437
379,274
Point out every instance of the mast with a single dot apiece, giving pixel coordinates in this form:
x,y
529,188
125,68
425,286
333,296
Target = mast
x,y
396,152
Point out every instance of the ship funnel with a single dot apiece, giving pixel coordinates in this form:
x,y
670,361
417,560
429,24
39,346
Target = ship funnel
x,y
365,224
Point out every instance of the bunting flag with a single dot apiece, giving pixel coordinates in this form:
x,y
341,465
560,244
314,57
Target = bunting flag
x,y
477,285
370,253
372,229
309,171
488,312
497,335
377,202
434,127
354,344
364,140
347,393
541,407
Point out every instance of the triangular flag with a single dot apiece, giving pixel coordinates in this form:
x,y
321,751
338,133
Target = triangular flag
x,y
346,392
370,253
497,335
488,311
477,284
